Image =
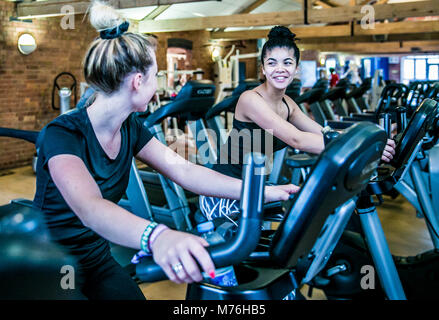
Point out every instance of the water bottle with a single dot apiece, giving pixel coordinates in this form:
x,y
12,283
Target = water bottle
x,y
224,277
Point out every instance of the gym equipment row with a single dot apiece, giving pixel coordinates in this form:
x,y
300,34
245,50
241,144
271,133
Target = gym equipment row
x,y
286,256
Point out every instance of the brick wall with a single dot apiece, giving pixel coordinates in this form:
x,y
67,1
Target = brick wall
x,y
26,81
251,64
201,56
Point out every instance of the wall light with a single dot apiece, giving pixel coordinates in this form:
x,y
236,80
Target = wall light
x,y
215,53
26,43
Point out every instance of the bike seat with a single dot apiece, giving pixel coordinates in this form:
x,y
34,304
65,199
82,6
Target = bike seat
x,y
301,160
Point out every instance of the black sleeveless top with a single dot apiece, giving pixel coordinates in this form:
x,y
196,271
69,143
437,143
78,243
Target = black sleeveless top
x,y
246,137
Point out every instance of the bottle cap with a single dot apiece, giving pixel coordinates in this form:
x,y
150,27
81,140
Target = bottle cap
x,y
205,227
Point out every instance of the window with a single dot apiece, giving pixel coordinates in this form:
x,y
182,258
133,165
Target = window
x,y
308,70
420,68
433,72
367,68
408,73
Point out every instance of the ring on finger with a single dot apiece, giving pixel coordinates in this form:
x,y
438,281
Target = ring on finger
x,y
177,267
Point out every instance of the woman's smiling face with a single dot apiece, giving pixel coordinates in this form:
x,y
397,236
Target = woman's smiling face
x,y
279,67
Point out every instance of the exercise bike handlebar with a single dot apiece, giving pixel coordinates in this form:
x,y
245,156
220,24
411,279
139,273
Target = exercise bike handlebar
x,y
30,136
249,228
385,122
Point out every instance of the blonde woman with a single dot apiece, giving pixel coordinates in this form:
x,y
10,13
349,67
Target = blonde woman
x,y
84,165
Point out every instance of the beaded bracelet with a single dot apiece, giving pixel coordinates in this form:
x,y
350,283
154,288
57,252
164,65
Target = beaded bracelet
x,y
145,236
155,233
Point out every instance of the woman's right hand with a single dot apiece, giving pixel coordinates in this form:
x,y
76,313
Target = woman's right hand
x,y
172,248
389,151
280,192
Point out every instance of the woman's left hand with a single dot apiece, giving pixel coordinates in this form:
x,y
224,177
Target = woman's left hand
x,y
389,151
280,192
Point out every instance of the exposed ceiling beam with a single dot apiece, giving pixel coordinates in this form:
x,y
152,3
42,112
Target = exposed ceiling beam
x,y
375,40
344,30
400,27
365,2
52,8
330,4
253,6
382,11
156,12
329,15
235,20
249,9
301,32
366,48
322,4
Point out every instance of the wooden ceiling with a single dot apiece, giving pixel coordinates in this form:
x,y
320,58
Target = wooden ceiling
x,y
325,25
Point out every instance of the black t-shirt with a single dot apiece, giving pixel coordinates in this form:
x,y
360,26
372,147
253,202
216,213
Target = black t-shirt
x,y
72,133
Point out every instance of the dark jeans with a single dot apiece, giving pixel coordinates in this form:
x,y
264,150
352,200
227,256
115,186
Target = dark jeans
x,y
107,281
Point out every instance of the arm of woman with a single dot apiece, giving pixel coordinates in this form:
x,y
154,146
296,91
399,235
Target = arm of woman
x,y
304,123
300,120
83,196
119,226
254,108
199,179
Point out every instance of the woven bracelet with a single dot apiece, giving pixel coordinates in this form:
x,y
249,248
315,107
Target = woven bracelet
x,y
145,236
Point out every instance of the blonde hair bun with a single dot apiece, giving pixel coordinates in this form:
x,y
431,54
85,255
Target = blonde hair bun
x,y
104,16
116,53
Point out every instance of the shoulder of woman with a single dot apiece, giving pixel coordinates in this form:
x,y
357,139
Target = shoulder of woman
x,y
291,103
250,97
248,94
73,120
249,104
251,100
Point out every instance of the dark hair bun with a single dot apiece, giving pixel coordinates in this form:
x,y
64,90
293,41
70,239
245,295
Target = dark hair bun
x,y
281,32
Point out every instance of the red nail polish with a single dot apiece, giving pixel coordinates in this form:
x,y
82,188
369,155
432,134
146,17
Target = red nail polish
x,y
212,274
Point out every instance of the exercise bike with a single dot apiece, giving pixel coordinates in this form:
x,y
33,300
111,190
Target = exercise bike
x,y
341,279
305,238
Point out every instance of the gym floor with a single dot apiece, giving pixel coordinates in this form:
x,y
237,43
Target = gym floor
x,y
406,234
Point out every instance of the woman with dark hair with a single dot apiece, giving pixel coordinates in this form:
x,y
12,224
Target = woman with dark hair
x,y
84,165
267,113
